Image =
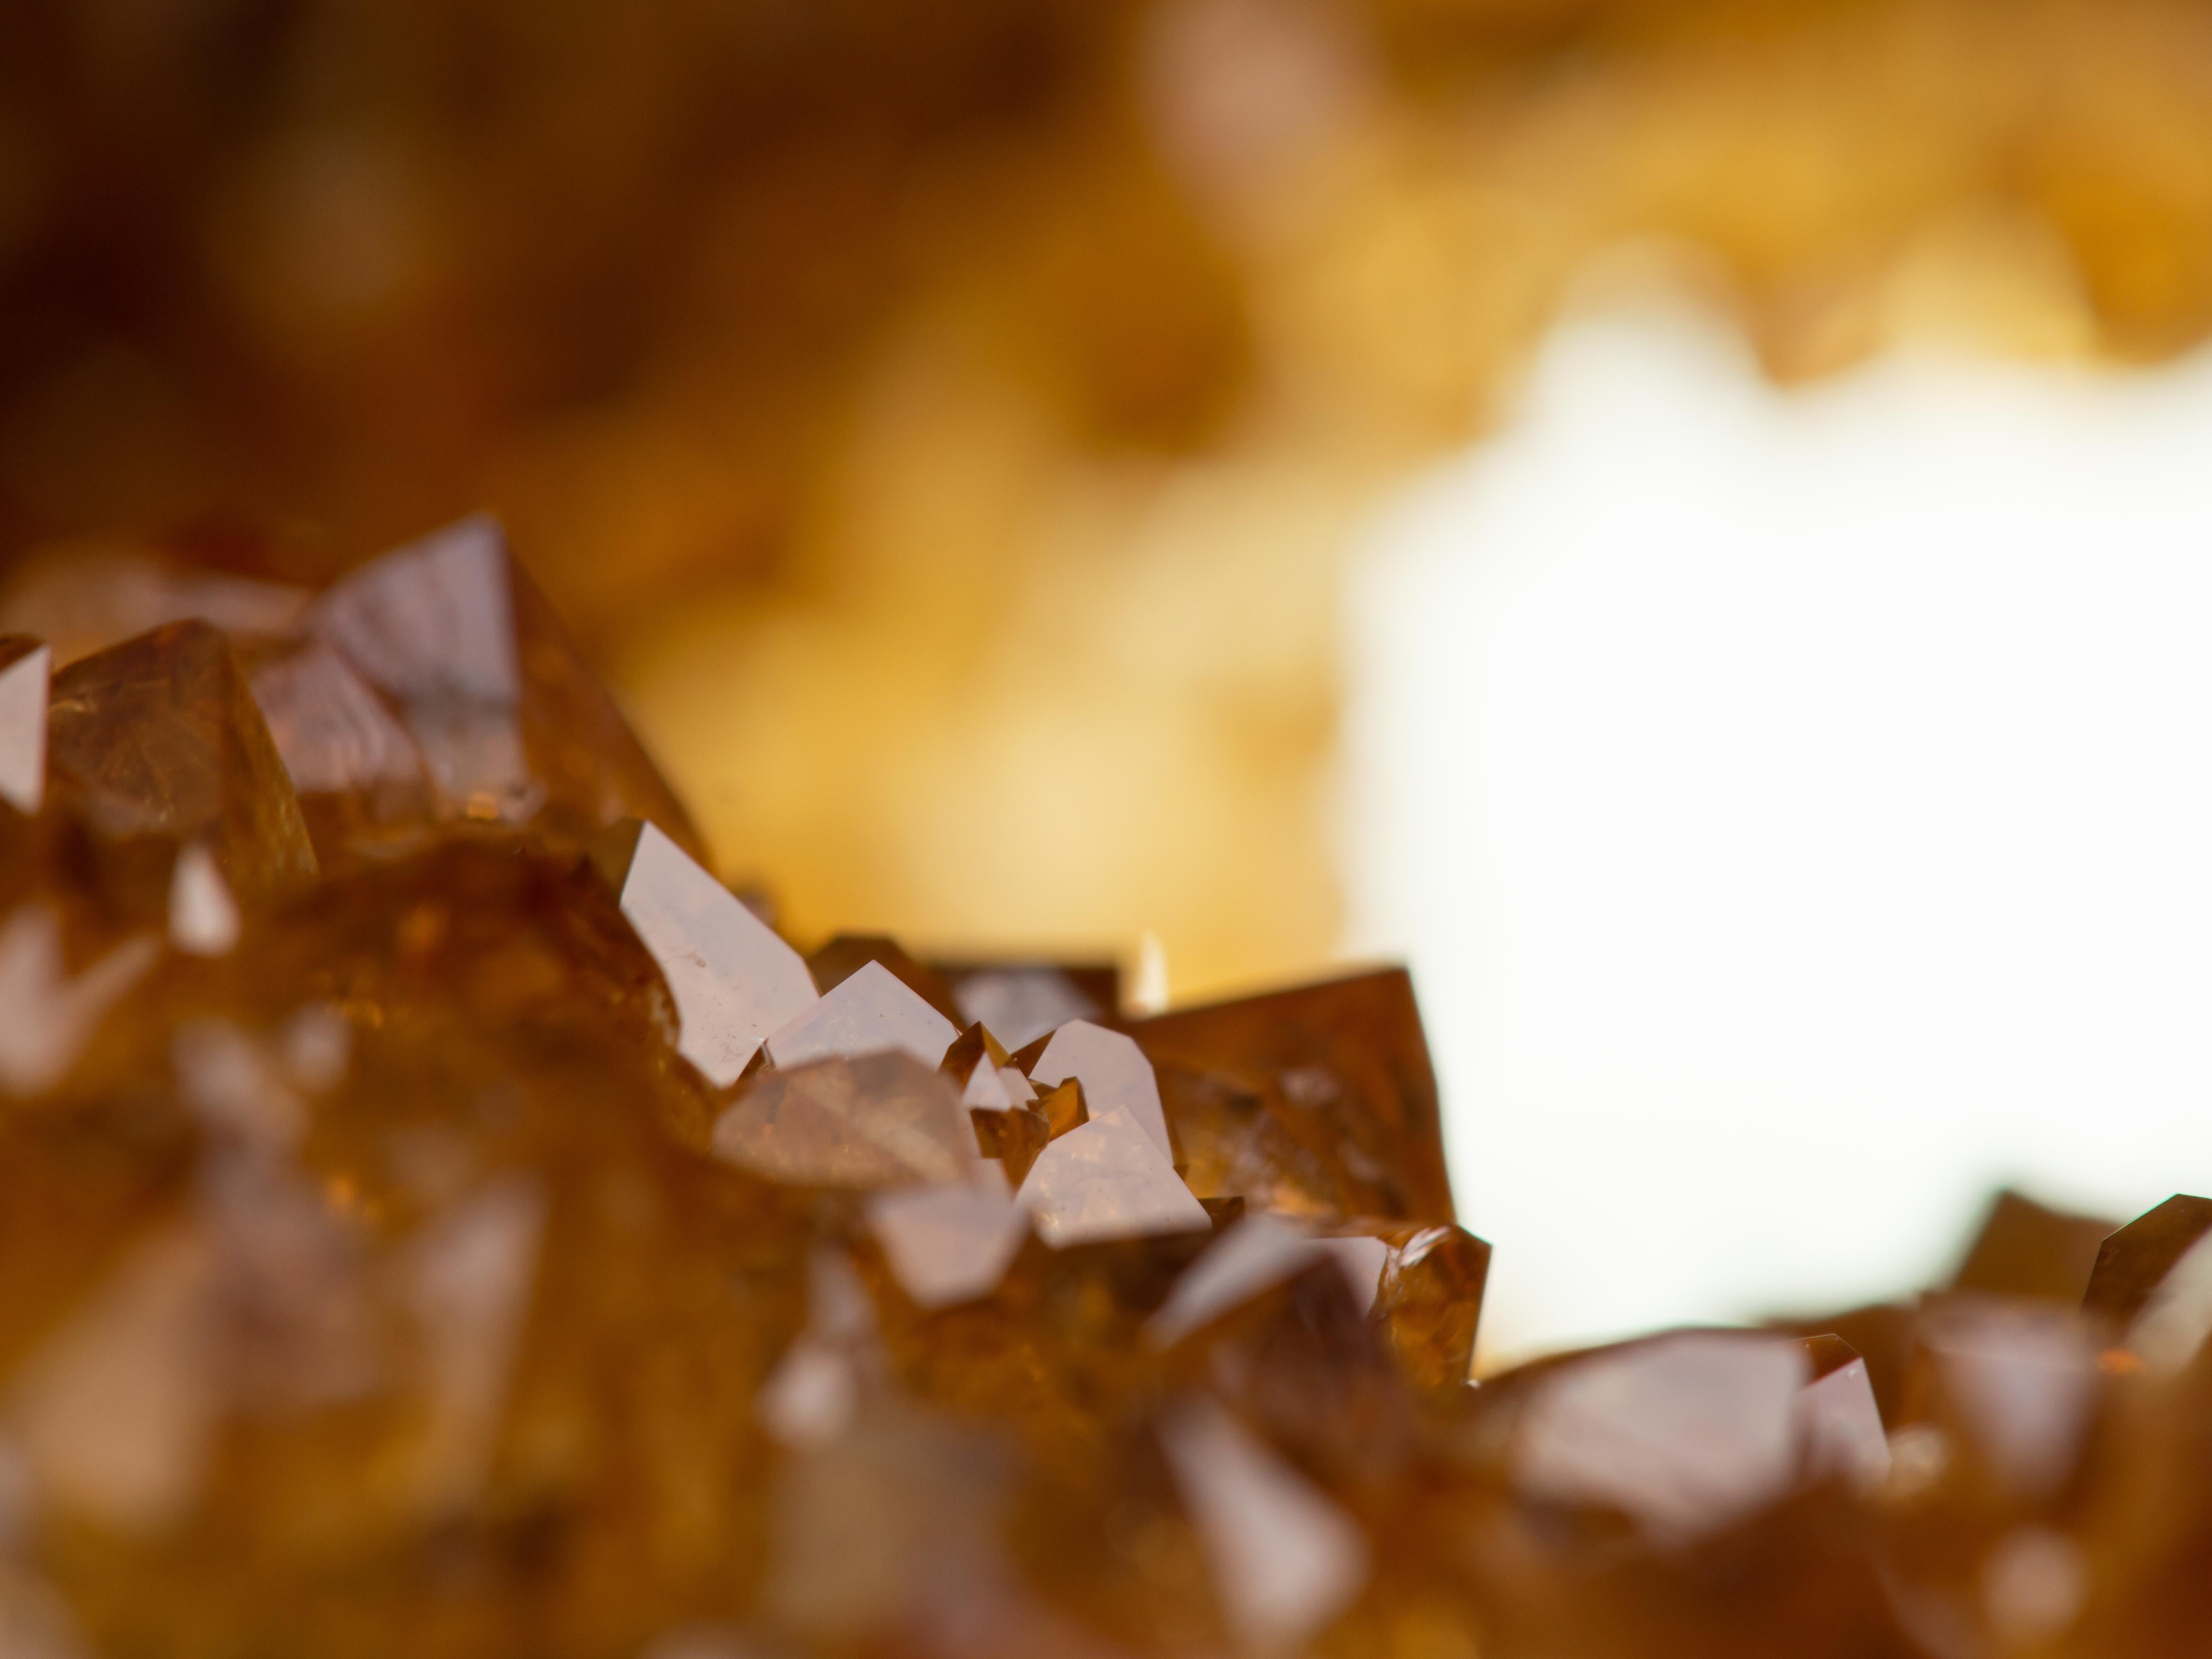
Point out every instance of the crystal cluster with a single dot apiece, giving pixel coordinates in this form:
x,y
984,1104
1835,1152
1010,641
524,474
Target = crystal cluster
x,y
441,1218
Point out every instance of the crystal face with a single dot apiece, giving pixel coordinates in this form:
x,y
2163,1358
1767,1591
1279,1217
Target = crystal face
x,y
1115,1074
1108,1180
866,1013
157,740
26,671
733,980
441,1217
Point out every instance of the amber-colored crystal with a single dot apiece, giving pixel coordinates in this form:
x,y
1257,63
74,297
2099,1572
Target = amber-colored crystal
x,y
1318,1102
156,743
2134,1261
732,979
1013,1136
865,1013
509,725
508,1243
881,1120
848,953
2026,1249
1063,1107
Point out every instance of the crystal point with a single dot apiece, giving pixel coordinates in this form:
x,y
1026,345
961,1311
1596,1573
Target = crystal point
x,y
867,1012
1686,1433
2133,1261
159,737
1840,1425
1115,1074
881,1120
1108,1180
733,980
510,725
202,916
947,1244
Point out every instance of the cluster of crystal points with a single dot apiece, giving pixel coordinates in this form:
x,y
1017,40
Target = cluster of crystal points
x,y
437,1216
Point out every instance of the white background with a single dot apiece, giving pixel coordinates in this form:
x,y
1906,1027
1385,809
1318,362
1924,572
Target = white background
x,y
1797,809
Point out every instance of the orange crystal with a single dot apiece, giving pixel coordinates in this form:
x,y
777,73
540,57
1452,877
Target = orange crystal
x,y
492,1237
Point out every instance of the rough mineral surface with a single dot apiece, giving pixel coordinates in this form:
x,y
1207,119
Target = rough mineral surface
x,y
438,1217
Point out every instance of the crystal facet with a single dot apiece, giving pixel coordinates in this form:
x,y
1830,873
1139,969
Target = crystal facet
x,y
25,668
868,1012
202,916
509,725
732,979
1257,1252
1685,1433
947,1244
881,1120
1286,1560
1115,1074
1107,1180
1317,1102
46,1016
2133,1261
158,738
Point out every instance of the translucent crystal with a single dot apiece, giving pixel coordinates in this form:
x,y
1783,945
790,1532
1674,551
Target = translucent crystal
x,y
868,1012
2134,1261
117,1410
947,1244
883,1120
1257,1252
1107,1180
2023,1249
1064,1109
1317,1102
845,954
986,1089
1430,1300
2176,1317
1840,1425
351,761
46,1016
2025,1378
1685,1433
204,918
1285,1560
509,725
1115,1074
26,668
733,980
1022,1003
1011,1137
158,737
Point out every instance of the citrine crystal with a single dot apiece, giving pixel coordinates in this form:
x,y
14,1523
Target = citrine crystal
x,y
508,726
2134,1261
156,744
443,1217
26,670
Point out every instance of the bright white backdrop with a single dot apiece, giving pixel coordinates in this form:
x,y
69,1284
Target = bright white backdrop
x,y
1797,809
